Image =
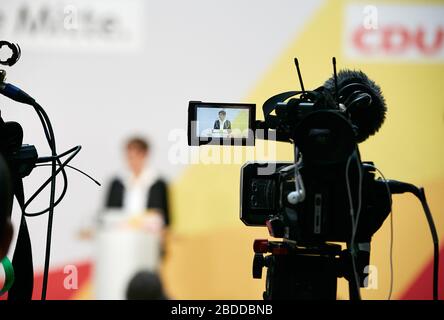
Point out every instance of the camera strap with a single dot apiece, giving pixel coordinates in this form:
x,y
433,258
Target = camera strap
x,y
22,260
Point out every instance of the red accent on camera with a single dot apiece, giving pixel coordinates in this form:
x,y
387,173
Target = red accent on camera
x,y
260,246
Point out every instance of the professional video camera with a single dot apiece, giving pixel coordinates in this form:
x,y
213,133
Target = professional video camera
x,y
328,194
17,160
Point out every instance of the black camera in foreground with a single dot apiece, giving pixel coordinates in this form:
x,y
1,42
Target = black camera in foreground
x,y
17,161
307,200
327,194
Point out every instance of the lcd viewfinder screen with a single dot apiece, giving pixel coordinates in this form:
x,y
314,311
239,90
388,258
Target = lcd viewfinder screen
x,y
221,123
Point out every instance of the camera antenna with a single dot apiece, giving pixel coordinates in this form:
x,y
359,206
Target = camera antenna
x,y
296,62
335,75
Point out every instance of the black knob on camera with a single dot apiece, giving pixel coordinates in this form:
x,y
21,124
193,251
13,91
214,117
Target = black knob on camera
x,y
258,264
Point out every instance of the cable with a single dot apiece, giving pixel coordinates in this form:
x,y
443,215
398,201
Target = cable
x,y
392,277
353,222
402,187
421,196
50,136
355,227
76,169
299,184
52,145
74,150
391,230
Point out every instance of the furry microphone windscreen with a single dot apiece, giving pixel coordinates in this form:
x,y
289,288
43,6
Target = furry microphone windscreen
x,y
363,101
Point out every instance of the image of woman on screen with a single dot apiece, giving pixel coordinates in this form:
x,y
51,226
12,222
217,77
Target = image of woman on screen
x,y
222,122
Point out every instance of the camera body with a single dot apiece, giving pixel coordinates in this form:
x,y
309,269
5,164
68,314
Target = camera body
x,y
324,215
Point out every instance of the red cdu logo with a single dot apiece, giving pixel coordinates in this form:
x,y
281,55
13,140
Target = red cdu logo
x,y
389,32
